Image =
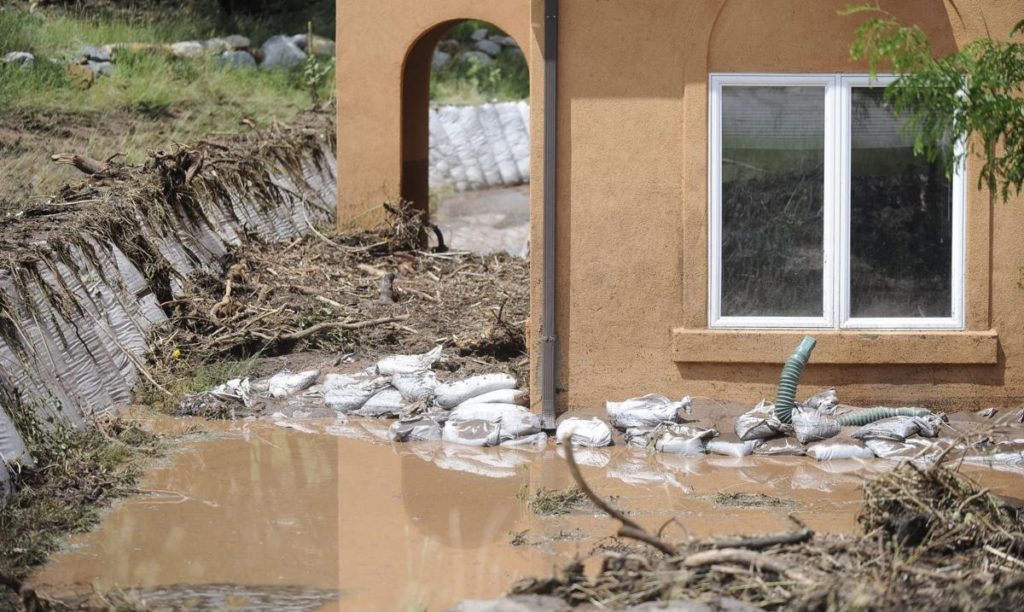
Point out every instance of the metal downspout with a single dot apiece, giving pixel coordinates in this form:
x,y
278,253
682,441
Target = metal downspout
x,y
549,340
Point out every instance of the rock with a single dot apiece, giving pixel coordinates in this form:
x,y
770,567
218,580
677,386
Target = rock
x,y
280,52
186,49
236,59
477,56
441,59
20,58
216,45
323,47
504,41
488,47
101,68
95,54
480,34
236,41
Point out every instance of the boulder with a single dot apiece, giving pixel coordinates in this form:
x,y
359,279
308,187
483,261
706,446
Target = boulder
x,y
95,54
441,59
477,56
236,59
280,52
321,46
480,34
488,47
187,49
236,41
101,68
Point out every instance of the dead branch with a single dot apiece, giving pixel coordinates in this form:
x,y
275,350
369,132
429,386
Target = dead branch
x,y
630,528
736,556
759,542
319,327
82,163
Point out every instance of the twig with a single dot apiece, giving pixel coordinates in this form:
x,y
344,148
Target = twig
x,y
1004,556
630,528
319,327
759,561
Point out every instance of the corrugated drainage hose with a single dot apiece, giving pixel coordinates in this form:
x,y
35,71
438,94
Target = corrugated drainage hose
x,y
870,415
785,396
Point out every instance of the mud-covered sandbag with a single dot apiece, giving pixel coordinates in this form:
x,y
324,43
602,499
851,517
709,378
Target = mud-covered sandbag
x,y
897,429
352,397
682,439
781,447
472,433
760,423
450,395
501,396
913,448
837,450
407,364
824,402
235,392
812,426
334,381
731,449
538,439
591,432
639,437
515,421
423,429
286,383
415,386
930,425
387,402
647,411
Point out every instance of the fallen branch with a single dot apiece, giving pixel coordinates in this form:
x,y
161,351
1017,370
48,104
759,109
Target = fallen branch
x,y
319,327
82,163
630,528
736,556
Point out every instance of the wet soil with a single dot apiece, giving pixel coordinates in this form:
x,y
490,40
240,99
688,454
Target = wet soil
x,y
292,511
487,221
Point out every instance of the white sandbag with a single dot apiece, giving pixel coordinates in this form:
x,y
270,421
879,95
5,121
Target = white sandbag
x,y
501,396
515,421
591,432
415,386
731,449
538,439
895,429
780,447
930,425
354,396
334,381
811,426
450,395
760,423
824,402
639,437
472,433
418,430
647,411
682,439
833,451
285,383
407,364
387,402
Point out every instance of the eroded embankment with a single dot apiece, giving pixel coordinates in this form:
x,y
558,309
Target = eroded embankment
x,y
84,277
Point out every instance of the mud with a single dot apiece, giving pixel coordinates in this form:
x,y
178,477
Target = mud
x,y
322,506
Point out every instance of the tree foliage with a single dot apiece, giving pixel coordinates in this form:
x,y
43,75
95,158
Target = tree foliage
x,y
976,92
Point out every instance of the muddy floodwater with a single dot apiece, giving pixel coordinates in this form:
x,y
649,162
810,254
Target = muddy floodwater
x,y
327,514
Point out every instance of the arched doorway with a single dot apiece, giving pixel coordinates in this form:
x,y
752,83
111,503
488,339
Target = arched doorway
x,y
473,78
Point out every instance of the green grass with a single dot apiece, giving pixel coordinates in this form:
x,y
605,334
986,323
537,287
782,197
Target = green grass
x,y
465,81
190,378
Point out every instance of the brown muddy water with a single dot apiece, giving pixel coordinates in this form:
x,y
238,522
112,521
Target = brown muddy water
x,y
327,514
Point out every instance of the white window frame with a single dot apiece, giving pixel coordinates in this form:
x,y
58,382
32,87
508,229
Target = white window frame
x,y
836,189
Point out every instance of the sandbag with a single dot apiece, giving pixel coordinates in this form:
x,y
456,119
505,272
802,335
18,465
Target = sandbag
x,y
450,395
591,432
501,396
472,433
824,402
334,381
639,437
387,402
423,429
896,429
833,451
408,364
286,383
760,423
415,386
354,396
780,447
812,426
731,449
515,421
647,411
537,439
682,439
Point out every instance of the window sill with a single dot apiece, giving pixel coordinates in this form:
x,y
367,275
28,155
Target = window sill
x,y
836,347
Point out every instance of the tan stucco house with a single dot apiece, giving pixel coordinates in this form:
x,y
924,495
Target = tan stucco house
x,y
712,180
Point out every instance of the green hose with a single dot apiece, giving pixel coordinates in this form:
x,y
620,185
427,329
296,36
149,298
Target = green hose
x,y
870,415
785,396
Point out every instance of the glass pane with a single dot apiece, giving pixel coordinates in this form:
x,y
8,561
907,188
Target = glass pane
x,y
773,149
901,217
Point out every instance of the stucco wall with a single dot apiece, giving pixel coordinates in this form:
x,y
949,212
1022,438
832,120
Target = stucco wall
x,y
633,197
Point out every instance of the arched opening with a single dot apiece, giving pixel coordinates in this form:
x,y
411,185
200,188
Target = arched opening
x,y
465,136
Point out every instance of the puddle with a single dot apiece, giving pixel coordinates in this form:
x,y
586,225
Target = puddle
x,y
325,514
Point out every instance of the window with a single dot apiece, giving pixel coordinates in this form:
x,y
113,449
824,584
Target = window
x,y
821,214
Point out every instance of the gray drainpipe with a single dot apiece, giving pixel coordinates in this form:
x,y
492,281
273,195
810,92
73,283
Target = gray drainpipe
x,y
548,338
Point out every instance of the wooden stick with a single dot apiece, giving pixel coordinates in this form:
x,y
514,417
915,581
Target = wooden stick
x,y
319,327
